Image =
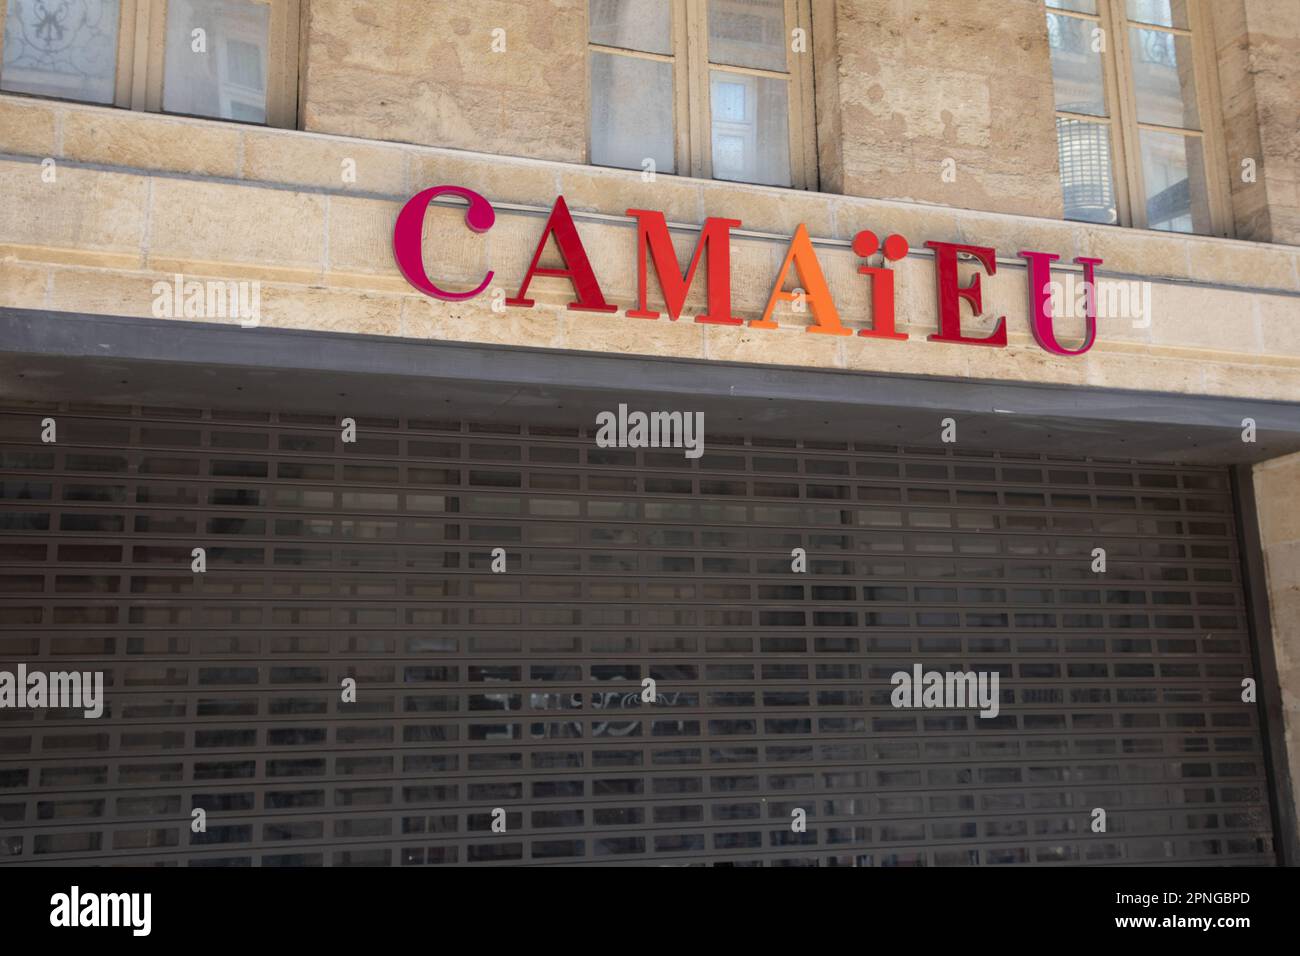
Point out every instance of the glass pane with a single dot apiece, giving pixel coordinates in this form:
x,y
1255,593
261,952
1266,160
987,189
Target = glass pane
x,y
1163,79
1081,6
223,72
1165,13
1076,69
1087,183
1173,174
751,136
631,24
631,112
67,49
748,33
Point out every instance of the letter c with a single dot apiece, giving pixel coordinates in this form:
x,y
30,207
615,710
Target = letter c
x,y
410,224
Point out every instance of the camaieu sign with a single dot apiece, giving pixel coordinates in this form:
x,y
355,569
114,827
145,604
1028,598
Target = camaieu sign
x,y
655,247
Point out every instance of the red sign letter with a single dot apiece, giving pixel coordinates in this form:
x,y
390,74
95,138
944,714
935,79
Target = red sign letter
x,y
865,244
410,223
652,233
1040,302
951,294
577,269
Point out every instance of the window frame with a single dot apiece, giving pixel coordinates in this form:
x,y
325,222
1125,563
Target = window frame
x,y
141,47
692,109
1120,93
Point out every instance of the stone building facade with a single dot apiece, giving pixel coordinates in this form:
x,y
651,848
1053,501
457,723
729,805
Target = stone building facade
x,y
942,122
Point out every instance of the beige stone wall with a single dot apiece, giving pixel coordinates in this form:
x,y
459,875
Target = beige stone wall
x,y
927,80
135,201
1258,44
423,71
900,88
1241,131
827,66
1277,486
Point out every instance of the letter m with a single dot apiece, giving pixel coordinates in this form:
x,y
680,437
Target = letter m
x,y
653,241
65,688
1117,300
118,908
961,689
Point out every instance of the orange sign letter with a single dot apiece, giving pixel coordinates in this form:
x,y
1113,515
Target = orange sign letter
x,y
817,294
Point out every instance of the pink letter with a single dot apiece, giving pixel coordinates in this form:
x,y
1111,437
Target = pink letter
x,y
1040,302
410,223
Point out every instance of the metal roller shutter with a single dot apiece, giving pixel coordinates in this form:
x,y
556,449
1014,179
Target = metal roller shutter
x,y
521,690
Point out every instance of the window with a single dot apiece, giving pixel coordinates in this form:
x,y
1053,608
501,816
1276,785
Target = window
x,y
228,59
1135,118
720,89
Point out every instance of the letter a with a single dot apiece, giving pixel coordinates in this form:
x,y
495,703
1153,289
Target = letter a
x,y
576,267
59,914
817,295
607,434
901,696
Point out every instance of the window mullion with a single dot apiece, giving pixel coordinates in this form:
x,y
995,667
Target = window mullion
x,y
1122,103
282,65
794,137
683,130
587,87
151,40
798,98
634,54
808,99
134,32
697,53
1214,152
125,53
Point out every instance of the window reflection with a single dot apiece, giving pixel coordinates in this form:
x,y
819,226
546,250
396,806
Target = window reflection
x,y
220,71
66,49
